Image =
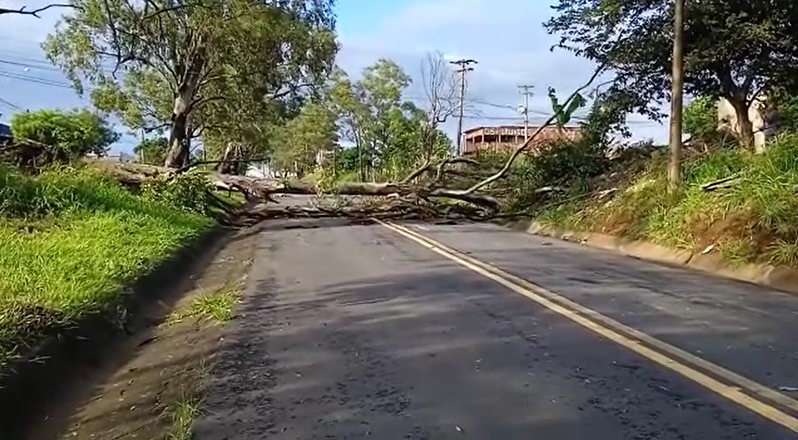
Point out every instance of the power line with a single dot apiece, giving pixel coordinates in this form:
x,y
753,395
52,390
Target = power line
x,y
29,66
10,104
33,79
18,55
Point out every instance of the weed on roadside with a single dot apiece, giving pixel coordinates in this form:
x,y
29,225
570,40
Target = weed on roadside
x,y
216,306
182,415
186,410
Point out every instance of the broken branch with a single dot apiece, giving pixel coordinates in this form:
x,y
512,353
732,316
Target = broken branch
x,y
723,183
34,12
521,148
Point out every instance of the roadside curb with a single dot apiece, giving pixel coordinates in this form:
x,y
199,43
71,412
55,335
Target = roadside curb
x,y
41,374
781,278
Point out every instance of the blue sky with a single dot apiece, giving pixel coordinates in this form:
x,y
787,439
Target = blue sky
x,y
505,36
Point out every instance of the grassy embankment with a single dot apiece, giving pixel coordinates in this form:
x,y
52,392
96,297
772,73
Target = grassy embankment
x,y
69,242
755,219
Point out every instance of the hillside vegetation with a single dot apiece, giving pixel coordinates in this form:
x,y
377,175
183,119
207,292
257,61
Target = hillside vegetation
x,y
734,202
70,240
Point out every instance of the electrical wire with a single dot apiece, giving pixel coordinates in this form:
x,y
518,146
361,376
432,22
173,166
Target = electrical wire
x,y
29,66
10,105
34,79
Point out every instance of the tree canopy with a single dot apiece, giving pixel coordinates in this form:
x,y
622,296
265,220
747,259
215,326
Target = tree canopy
x,y
735,49
388,132
207,66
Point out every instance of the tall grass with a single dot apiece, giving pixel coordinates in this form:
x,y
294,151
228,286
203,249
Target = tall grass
x,y
752,220
69,242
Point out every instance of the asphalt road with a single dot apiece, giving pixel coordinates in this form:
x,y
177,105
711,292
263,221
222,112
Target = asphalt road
x,y
356,331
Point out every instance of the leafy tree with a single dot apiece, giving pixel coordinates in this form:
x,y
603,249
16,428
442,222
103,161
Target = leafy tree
x,y
303,138
152,151
72,134
735,49
381,91
352,116
388,133
195,66
701,116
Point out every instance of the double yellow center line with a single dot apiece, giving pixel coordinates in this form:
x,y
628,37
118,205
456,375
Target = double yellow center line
x,y
754,396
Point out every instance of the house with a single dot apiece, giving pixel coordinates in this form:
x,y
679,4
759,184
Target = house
x,y
764,123
507,137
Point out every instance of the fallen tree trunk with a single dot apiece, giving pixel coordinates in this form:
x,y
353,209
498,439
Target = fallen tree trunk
x,y
254,188
388,199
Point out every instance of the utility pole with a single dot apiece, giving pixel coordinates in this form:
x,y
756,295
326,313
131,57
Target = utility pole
x,y
677,91
463,67
526,90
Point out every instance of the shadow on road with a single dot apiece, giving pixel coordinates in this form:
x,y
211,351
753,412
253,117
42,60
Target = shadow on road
x,y
433,353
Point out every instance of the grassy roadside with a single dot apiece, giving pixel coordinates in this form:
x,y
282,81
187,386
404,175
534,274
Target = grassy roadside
x,y
206,308
752,219
157,389
69,242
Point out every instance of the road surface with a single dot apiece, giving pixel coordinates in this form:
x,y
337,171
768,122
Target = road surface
x,y
373,331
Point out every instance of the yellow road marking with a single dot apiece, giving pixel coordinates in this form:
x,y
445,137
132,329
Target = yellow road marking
x,y
640,343
723,373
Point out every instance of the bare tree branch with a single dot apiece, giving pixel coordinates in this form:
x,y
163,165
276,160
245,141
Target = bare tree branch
x,y
521,148
440,91
35,12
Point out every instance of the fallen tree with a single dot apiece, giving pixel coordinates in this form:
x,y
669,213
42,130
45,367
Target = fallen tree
x,y
457,179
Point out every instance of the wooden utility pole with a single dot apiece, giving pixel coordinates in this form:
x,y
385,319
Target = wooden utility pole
x,y
526,90
677,91
463,67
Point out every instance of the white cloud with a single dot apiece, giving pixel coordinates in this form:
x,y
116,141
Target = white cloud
x,y
506,37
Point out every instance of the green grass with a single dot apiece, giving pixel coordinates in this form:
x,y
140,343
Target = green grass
x,y
70,241
183,414
214,306
753,220
232,197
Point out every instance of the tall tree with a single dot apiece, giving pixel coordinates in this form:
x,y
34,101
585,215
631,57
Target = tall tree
x,y
303,140
735,49
152,151
191,65
352,115
366,107
389,133
380,90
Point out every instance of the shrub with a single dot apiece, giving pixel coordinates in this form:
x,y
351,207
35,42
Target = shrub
x,y
567,165
188,191
71,134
